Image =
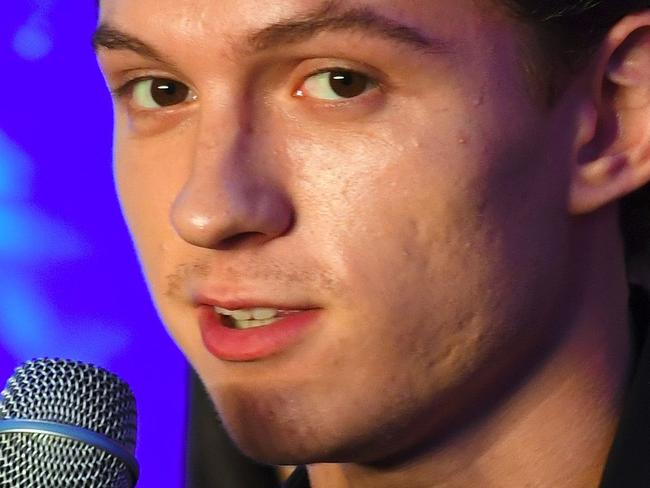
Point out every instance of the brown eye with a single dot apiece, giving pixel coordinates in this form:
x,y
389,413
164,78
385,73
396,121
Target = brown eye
x,y
153,93
348,84
168,92
336,85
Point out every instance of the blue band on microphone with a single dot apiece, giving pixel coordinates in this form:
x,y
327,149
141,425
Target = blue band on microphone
x,y
74,433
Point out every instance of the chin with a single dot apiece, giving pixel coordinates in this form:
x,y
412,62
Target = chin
x,y
304,442
280,449
284,440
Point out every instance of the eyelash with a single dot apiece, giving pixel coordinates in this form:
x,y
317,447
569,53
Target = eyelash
x,y
126,89
344,83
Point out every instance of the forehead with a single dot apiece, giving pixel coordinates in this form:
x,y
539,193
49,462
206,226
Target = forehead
x,y
206,22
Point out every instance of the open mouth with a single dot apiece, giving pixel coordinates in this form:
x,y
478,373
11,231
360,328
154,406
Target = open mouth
x,y
249,318
251,334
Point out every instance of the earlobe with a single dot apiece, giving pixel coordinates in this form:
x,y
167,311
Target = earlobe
x,y
616,161
600,182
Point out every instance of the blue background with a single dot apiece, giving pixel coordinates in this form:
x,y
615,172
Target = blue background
x,y
70,284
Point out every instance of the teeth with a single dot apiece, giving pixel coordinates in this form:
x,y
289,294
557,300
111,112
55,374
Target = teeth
x,y
248,313
242,314
264,313
249,317
250,324
223,311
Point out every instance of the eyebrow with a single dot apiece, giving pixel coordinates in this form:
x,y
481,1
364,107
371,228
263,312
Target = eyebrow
x,y
329,17
112,38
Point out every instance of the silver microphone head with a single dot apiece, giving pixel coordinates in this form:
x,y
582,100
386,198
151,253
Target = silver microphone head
x,y
66,424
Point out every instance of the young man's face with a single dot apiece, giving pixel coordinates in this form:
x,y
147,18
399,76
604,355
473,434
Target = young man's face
x,y
386,165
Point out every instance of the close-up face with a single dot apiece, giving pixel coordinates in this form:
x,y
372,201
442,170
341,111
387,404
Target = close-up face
x,y
377,172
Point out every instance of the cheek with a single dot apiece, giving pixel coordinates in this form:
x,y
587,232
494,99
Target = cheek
x,y
435,208
148,175
406,261
417,306
391,211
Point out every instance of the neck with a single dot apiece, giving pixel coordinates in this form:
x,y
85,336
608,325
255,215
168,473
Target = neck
x,y
555,430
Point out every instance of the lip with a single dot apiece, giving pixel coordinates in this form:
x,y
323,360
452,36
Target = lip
x,y
239,304
256,343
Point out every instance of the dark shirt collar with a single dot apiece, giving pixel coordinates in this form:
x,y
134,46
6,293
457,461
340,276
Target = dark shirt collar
x,y
627,465
298,479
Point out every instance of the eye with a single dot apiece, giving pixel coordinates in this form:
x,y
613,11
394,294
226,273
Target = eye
x,y
155,93
336,84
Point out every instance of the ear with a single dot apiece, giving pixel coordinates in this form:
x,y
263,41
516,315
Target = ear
x,y
615,160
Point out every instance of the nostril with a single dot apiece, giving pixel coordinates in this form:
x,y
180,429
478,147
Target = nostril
x,y
239,239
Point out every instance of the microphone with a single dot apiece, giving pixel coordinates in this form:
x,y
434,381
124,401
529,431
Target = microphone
x,y
65,423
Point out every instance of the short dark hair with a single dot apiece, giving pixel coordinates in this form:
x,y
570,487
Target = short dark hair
x,y
568,33
573,29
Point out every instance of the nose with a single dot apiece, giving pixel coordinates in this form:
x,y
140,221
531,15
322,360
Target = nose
x,y
228,202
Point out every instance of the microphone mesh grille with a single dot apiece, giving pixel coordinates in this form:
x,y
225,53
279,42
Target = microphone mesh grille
x,y
73,393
